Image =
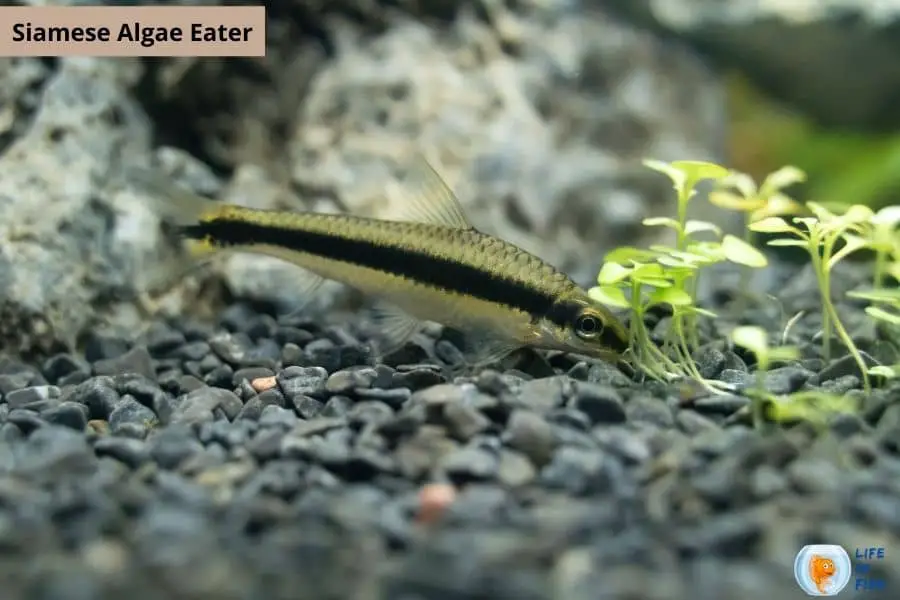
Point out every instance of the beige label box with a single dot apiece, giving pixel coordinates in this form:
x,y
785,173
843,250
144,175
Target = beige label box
x,y
132,31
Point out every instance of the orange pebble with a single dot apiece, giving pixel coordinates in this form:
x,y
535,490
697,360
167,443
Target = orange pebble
x,y
261,384
434,498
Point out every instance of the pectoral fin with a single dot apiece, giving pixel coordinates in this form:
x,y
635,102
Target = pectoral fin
x,y
484,348
393,328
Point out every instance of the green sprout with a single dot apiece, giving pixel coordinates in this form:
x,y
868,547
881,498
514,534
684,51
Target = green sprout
x,y
756,341
812,406
819,236
639,279
885,309
880,235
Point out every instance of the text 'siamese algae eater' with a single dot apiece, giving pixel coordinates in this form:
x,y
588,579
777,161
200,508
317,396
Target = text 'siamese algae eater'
x,y
146,36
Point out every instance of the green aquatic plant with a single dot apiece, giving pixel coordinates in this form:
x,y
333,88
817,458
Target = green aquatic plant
x,y
819,236
638,279
756,340
813,406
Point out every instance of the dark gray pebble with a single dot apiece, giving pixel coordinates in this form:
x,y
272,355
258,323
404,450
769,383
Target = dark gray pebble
x,y
161,339
845,366
254,408
277,416
129,411
137,360
416,379
395,398
98,395
25,420
464,421
303,381
739,379
249,374
293,335
370,412
529,433
710,361
36,398
607,374
578,471
648,409
350,379
173,445
693,423
10,382
337,406
103,347
786,380
307,407
205,404
68,414
470,464
601,403
128,451
52,452
61,366
720,404
841,385
546,394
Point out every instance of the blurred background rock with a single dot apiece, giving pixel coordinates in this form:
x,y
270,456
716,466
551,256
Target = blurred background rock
x,y
539,112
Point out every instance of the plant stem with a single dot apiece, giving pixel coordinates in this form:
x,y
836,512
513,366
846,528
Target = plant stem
x,y
851,347
822,276
880,266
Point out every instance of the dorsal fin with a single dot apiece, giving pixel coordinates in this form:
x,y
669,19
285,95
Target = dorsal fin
x,y
426,198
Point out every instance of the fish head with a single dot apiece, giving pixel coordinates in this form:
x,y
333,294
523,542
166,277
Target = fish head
x,y
579,324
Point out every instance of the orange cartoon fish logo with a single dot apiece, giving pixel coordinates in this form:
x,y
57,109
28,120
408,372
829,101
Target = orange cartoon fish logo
x,y
821,570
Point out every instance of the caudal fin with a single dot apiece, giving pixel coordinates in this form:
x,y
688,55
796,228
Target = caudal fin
x,y
171,202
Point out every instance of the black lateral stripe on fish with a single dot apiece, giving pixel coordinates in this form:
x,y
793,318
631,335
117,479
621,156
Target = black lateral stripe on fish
x,y
412,263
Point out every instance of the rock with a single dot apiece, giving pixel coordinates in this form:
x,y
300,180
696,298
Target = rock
x,y
201,405
786,380
137,360
835,45
601,404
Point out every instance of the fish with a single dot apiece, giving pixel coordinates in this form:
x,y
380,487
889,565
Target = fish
x,y
428,264
821,570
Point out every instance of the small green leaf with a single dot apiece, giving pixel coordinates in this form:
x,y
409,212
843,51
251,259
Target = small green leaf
x,y
702,311
787,242
692,227
772,225
738,251
784,353
609,295
752,338
628,254
782,178
676,175
891,295
662,222
698,170
886,372
889,216
822,214
671,295
883,315
612,272
732,201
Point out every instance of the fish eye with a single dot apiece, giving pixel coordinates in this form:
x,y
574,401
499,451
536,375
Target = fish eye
x,y
588,326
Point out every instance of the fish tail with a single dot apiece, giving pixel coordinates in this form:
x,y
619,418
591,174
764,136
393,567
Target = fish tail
x,y
178,206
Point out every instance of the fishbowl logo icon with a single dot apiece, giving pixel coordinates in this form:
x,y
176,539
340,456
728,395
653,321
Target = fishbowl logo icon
x,y
822,569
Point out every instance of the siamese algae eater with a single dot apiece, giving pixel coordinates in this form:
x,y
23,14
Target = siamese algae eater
x,y
431,266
